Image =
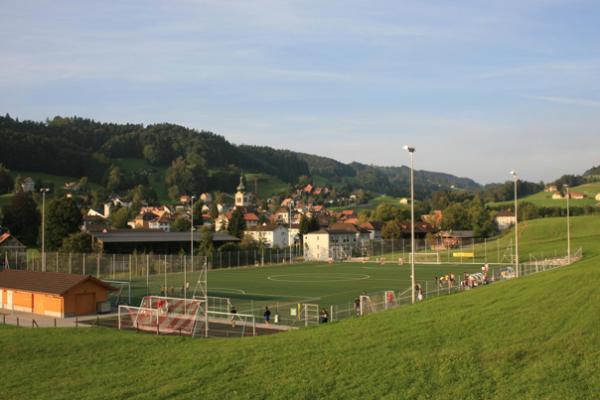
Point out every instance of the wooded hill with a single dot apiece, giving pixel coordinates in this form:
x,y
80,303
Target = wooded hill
x,y
194,160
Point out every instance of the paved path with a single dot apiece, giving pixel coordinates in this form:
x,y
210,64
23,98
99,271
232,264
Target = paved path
x,y
29,320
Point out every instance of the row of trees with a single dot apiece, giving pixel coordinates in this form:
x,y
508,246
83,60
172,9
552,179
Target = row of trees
x,y
22,217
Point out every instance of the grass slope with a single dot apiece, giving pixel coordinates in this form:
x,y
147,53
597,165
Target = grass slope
x,y
543,199
538,337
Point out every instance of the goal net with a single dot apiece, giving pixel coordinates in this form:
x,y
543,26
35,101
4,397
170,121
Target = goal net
x,y
166,315
425,258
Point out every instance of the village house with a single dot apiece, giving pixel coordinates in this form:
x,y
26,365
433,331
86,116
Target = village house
x,y
452,239
374,228
271,235
251,219
222,221
28,185
159,218
11,250
338,241
576,195
598,197
505,219
557,196
281,216
551,188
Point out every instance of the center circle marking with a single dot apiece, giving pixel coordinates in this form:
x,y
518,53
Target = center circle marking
x,y
313,278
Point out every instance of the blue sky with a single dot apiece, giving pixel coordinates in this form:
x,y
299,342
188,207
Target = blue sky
x,y
479,88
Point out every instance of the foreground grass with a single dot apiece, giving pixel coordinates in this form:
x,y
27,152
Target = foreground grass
x,y
533,338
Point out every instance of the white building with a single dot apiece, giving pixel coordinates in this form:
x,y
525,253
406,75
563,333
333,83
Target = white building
x,y
598,197
28,185
505,219
294,234
272,235
338,241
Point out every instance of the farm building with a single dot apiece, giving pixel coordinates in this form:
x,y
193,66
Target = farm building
x,y
52,293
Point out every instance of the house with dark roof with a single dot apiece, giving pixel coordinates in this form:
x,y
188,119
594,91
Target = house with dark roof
x,y
11,250
52,293
337,241
374,228
153,241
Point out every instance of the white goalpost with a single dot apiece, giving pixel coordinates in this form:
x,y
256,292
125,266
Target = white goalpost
x,y
426,258
166,315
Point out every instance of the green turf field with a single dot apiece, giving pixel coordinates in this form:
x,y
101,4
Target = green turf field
x,y
281,286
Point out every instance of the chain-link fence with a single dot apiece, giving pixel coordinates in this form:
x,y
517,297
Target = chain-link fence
x,y
444,250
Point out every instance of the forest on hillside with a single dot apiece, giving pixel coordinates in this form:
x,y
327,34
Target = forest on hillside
x,y
194,160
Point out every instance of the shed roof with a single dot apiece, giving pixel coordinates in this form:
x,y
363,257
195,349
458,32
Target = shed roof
x,y
138,235
45,282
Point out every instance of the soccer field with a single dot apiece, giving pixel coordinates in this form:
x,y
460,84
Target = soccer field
x,y
281,286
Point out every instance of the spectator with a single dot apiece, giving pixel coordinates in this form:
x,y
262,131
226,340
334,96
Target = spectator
x,y
357,306
323,316
267,315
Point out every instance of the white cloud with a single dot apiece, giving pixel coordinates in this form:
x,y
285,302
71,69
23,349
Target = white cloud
x,y
568,101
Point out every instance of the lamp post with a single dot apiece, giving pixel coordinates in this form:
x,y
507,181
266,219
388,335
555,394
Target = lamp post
x,y
568,225
44,191
516,179
411,151
291,205
191,246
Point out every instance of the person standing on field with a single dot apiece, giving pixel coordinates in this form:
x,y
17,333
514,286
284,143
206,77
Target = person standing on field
x,y
267,315
233,313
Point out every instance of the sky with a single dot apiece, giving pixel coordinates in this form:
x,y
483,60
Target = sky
x,y
478,87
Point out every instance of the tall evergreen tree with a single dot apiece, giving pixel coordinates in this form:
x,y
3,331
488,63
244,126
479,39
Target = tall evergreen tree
x,y
63,217
237,225
22,218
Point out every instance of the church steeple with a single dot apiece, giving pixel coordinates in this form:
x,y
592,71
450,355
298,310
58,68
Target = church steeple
x,y
241,187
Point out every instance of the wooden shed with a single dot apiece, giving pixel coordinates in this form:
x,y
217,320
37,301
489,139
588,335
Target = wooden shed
x,y
51,293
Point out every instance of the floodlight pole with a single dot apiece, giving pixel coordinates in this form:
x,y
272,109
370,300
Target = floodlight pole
x,y
411,151
568,226
44,191
191,247
516,179
291,204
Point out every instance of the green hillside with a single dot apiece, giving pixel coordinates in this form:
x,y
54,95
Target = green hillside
x,y
373,203
267,184
536,337
57,181
156,176
543,199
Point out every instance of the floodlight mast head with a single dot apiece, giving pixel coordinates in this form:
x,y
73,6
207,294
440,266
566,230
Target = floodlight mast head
x,y
409,149
513,173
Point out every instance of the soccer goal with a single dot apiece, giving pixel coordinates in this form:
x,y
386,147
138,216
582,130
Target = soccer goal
x,y
425,258
122,294
309,314
165,315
